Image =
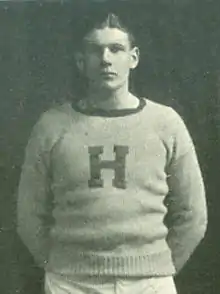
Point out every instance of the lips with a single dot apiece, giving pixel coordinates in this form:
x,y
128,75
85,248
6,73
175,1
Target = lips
x,y
111,73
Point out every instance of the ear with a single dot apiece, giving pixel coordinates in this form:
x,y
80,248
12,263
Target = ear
x,y
79,61
134,57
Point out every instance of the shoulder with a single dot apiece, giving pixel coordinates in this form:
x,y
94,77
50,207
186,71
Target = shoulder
x,y
170,127
54,118
51,124
165,116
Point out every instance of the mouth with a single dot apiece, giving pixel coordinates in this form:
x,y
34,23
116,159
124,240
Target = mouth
x,y
106,74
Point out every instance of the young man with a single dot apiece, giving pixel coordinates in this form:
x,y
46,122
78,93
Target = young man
x,y
108,171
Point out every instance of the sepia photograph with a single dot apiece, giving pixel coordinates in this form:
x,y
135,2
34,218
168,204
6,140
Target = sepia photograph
x,y
109,147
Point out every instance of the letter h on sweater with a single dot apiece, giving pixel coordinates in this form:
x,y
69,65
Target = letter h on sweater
x,y
118,165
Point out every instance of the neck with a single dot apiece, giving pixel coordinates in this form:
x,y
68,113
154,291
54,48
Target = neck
x,y
107,99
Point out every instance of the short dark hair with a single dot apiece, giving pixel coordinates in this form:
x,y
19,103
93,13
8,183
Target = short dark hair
x,y
98,20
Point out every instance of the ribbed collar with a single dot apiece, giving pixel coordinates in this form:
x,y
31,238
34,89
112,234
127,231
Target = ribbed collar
x,y
112,112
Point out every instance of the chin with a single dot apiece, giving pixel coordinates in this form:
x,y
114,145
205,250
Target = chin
x,y
110,86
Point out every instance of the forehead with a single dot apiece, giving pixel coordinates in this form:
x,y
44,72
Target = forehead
x,y
107,36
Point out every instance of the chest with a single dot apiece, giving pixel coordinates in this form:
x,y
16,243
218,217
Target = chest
x,y
95,150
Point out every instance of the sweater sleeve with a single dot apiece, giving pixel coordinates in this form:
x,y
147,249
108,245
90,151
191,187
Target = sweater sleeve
x,y
186,202
33,203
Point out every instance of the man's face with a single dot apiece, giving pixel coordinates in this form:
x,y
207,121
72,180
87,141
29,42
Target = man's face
x,y
107,58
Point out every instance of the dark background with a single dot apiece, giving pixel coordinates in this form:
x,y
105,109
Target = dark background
x,y
179,43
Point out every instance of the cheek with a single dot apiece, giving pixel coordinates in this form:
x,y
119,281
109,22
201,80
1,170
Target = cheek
x,y
91,59
123,64
90,64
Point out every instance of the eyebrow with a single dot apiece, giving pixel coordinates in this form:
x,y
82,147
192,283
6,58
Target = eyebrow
x,y
100,45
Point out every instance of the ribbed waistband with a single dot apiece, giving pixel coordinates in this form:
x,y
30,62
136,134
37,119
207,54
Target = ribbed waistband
x,y
88,263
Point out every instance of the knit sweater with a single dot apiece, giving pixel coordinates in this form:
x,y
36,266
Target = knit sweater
x,y
111,194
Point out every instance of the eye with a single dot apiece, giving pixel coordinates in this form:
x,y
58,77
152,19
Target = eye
x,y
115,48
91,48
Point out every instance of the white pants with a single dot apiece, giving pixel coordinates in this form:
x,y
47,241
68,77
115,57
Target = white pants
x,y
57,284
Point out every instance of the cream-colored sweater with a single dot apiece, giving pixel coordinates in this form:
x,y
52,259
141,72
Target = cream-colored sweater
x,y
95,189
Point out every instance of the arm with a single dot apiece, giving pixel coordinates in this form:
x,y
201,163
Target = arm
x,y
33,196
186,202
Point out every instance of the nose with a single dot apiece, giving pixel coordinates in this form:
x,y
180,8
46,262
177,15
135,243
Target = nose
x,y
106,56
